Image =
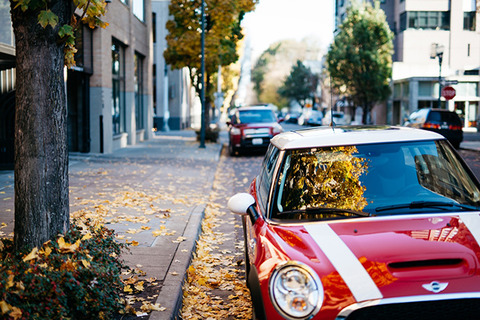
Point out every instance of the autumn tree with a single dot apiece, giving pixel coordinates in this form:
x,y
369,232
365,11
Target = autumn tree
x,y
300,85
359,60
222,33
44,41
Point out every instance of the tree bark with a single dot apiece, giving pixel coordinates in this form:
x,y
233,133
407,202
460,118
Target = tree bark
x,y
41,152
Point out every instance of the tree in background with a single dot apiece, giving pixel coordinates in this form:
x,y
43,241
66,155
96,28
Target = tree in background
x,y
45,42
359,60
222,33
300,85
275,64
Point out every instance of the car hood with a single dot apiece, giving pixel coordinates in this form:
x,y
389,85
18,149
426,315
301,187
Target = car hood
x,y
386,257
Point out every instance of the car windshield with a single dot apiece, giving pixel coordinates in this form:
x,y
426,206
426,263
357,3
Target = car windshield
x,y
373,179
255,116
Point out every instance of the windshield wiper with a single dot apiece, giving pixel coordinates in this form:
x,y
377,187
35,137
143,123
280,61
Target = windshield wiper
x,y
426,204
337,211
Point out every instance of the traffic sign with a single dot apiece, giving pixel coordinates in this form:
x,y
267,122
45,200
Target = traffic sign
x,y
448,92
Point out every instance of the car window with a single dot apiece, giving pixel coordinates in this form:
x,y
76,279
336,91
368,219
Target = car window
x,y
368,177
266,174
418,116
254,116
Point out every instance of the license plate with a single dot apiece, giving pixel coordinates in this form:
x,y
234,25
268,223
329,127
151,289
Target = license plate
x,y
257,141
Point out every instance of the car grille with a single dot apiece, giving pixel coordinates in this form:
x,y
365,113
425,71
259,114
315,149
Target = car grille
x,y
434,310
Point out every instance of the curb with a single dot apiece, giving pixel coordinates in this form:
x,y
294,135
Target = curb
x,y
171,294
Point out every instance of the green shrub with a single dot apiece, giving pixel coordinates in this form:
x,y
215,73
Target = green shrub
x,y
78,276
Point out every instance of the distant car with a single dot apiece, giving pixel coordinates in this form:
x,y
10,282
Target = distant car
x,y
252,128
310,117
445,122
339,118
362,222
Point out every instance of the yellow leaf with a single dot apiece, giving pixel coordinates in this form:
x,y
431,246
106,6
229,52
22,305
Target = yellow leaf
x,y
145,228
86,237
139,286
128,289
67,247
46,251
16,313
32,255
134,243
5,307
10,282
85,263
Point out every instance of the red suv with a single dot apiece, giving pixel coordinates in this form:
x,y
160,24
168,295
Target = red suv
x,y
252,128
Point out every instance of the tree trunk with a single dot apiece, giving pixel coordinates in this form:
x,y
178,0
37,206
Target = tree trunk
x,y
41,153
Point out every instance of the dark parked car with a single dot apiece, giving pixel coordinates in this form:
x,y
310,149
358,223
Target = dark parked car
x,y
445,122
252,128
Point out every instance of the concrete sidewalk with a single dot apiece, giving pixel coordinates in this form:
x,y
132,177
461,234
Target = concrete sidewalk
x,y
152,194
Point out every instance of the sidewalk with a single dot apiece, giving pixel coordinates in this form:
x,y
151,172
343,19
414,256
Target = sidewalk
x,y
153,194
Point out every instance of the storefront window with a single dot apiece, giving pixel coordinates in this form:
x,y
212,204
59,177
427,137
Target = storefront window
x,y
138,83
118,88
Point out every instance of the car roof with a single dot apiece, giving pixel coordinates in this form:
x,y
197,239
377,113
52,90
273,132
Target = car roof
x,y
349,135
256,107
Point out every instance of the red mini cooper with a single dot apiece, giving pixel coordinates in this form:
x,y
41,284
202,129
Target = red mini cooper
x,y
362,223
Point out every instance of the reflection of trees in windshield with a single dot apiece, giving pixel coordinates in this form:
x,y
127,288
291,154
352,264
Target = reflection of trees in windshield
x,y
327,178
444,175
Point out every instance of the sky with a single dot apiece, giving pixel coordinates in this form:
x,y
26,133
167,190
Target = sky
x,y
275,20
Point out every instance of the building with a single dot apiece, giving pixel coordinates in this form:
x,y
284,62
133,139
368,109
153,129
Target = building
x,y
119,94
427,33
175,104
109,91
7,86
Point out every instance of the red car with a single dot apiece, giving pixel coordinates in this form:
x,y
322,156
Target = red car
x,y
251,128
362,223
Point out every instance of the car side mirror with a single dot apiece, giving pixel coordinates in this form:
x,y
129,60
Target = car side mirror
x,y
243,204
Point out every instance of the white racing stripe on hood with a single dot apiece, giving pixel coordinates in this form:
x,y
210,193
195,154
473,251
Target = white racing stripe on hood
x,y
342,258
472,221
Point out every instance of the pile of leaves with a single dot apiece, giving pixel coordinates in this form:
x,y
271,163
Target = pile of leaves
x,y
77,276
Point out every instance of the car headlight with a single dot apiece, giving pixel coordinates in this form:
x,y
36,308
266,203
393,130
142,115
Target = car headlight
x,y
296,291
277,129
235,131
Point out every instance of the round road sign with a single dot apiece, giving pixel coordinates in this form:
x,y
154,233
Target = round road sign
x,y
448,92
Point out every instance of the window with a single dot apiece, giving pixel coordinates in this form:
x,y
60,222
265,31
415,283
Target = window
x,y
118,88
138,84
469,21
266,174
430,20
6,31
138,9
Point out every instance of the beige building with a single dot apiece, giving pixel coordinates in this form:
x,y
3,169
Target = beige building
x,y
426,31
176,105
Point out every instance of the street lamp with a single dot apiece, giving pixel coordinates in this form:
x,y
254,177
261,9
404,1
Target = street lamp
x,y
202,80
436,51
